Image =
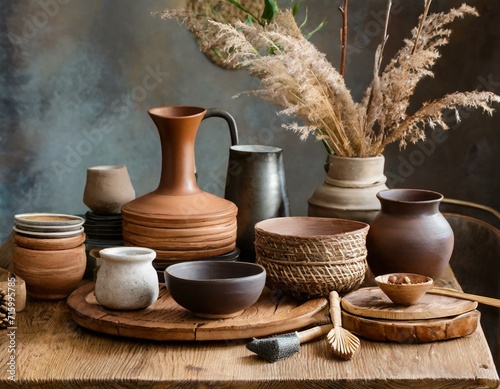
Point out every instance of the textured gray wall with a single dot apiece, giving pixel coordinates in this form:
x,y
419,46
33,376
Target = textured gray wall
x,y
77,78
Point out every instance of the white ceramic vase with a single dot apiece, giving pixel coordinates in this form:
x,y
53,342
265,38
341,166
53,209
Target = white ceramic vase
x,y
107,188
350,189
126,279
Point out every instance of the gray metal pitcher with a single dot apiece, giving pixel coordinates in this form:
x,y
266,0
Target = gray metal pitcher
x,y
255,182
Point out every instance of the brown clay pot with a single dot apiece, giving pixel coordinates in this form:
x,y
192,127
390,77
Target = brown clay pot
x,y
50,274
178,204
107,188
409,234
49,244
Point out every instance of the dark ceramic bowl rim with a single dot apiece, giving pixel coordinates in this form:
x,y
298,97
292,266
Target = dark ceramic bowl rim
x,y
262,270
437,197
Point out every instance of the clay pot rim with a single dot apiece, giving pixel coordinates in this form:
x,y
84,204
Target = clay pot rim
x,y
105,168
127,253
377,157
426,196
176,111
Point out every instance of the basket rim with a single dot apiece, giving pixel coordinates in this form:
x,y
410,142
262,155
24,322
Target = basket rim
x,y
361,227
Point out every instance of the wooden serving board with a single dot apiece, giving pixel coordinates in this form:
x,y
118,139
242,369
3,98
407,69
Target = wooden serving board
x,y
372,302
166,320
369,313
412,331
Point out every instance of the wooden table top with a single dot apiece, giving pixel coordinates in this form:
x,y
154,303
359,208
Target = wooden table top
x,y
51,351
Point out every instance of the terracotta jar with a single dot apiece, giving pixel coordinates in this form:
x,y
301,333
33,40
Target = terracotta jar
x,y
350,188
179,220
126,278
409,234
50,274
107,188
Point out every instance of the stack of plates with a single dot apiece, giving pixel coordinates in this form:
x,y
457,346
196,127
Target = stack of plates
x,y
48,225
103,230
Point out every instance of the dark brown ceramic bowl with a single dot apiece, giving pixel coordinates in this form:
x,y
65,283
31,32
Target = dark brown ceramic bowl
x,y
215,289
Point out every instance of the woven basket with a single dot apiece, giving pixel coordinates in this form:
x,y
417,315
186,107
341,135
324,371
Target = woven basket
x,y
308,257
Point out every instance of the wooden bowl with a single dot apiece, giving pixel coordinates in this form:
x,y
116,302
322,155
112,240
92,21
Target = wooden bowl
x,y
215,289
402,292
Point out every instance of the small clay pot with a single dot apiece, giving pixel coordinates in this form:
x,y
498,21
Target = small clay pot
x,y
215,289
15,287
126,278
107,189
50,274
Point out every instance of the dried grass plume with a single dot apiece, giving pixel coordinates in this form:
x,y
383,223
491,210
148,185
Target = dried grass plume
x,y
298,78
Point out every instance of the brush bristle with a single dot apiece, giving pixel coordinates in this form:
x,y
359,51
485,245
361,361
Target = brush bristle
x,y
343,344
275,348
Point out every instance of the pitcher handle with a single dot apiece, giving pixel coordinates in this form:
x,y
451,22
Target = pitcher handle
x,y
220,113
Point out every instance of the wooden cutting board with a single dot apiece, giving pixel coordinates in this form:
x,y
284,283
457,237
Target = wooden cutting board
x,y
368,313
166,320
372,302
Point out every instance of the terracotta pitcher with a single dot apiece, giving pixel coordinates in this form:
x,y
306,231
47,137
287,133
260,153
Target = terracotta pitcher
x,y
179,220
409,234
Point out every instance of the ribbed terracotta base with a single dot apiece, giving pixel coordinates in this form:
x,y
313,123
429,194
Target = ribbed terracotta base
x,y
181,227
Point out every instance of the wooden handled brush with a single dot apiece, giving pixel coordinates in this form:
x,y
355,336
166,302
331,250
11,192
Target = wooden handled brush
x,y
344,344
282,346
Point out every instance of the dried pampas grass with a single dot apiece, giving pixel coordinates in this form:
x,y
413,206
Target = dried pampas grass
x,y
298,78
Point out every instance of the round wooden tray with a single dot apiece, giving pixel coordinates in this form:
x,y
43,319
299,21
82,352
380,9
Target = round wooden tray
x,y
373,303
369,313
166,320
412,331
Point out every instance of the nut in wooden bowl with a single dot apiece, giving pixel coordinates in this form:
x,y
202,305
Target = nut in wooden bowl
x,y
404,288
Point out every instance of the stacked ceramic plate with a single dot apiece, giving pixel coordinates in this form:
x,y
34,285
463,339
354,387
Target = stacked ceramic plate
x,y
48,225
103,230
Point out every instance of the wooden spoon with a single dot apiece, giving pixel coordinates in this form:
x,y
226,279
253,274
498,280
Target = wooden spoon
x,y
464,296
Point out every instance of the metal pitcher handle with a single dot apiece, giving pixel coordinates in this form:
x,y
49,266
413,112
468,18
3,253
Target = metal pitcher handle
x,y
233,129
